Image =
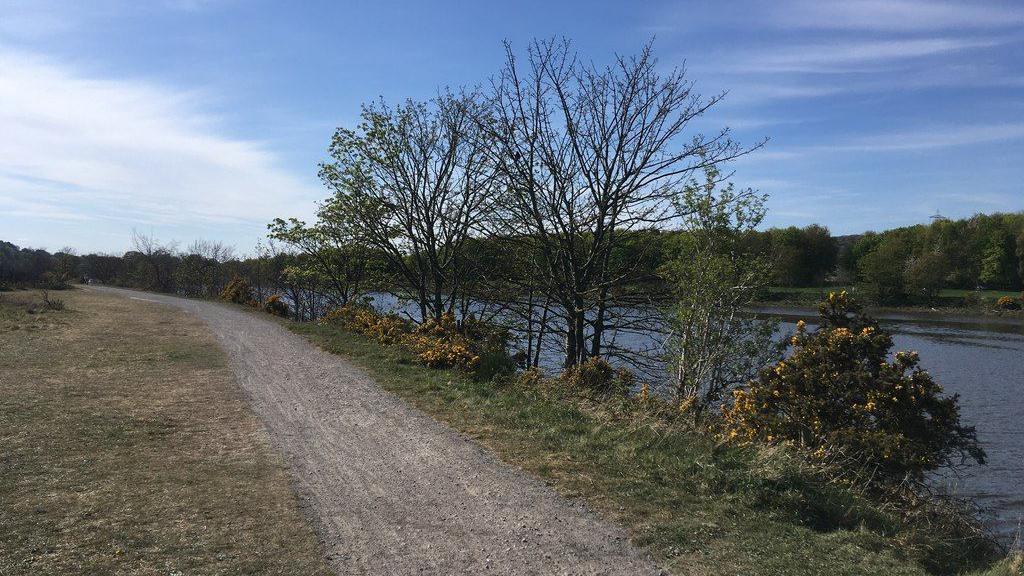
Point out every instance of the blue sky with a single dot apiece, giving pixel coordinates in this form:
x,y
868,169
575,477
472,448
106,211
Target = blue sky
x,y
205,119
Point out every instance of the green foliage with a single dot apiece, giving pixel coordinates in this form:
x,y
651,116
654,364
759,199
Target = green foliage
x,y
802,256
985,249
839,398
881,271
52,280
596,375
715,343
411,182
999,263
925,275
1020,256
332,258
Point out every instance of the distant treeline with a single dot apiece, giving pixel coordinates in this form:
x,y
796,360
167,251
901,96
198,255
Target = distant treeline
x,y
984,251
202,270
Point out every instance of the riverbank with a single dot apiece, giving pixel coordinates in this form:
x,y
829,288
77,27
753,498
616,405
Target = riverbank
x,y
701,507
968,303
128,448
1010,322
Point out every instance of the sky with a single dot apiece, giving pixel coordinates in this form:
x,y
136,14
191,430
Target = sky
x,y
205,119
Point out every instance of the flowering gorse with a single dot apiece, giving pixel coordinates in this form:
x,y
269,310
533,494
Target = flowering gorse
x,y
438,343
238,291
838,395
1009,303
276,306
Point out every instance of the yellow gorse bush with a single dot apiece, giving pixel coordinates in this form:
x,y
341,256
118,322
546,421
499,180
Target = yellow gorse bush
x,y
276,306
837,395
1009,303
238,291
385,328
436,343
439,344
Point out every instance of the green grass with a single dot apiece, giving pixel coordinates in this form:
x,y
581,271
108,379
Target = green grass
x,y
700,506
949,298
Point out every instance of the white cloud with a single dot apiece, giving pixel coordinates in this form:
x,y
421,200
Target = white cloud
x,y
77,147
914,140
839,56
936,137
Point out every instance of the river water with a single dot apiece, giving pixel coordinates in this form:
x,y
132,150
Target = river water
x,y
981,359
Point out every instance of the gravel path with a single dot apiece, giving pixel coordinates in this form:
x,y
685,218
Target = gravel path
x,y
388,489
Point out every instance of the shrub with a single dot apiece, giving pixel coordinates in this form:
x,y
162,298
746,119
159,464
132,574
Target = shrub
x,y
341,316
276,306
838,397
1008,303
972,299
51,303
53,281
440,344
475,346
532,377
237,291
386,329
596,375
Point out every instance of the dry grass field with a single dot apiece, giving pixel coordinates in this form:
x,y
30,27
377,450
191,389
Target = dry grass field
x,y
127,448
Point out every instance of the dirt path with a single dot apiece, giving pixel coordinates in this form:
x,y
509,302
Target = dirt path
x,y
390,490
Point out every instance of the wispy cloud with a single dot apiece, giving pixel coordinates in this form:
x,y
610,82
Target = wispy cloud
x,y
896,15
853,55
932,137
78,147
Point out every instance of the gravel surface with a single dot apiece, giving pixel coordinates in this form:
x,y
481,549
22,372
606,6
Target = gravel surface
x,y
388,489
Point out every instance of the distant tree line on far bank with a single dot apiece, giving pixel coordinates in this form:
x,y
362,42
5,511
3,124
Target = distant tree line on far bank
x,y
909,264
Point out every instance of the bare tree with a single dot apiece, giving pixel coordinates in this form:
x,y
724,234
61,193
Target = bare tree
x,y
416,179
201,269
156,261
588,155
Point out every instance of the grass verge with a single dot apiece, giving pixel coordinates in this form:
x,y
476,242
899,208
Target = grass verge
x,y
701,507
950,300
127,448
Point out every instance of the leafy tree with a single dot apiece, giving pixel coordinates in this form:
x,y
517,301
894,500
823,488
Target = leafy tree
x,y
803,256
1020,255
715,344
336,260
881,271
925,275
998,266
417,181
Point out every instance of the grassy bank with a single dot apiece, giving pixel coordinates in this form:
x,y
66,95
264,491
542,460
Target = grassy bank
x,y
128,448
948,300
702,507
